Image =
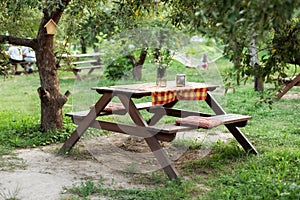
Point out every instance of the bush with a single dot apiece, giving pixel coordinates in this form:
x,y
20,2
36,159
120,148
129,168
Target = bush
x,y
118,68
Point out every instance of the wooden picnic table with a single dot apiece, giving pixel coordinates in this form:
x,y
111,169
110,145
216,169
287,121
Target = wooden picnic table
x,y
163,101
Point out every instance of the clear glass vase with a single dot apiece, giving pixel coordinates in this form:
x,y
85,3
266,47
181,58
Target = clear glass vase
x,y
161,77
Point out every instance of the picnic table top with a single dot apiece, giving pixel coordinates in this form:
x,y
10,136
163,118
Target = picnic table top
x,y
146,89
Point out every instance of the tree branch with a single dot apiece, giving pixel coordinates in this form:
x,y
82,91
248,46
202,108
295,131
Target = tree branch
x,y
132,60
54,14
44,94
143,56
64,98
19,41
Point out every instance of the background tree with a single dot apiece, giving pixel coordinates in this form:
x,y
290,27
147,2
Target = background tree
x,y
82,23
19,27
96,21
138,14
274,23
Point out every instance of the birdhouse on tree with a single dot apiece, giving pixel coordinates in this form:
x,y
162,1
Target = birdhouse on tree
x,y
50,27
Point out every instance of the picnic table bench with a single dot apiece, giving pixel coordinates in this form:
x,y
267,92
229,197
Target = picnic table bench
x,y
151,130
91,62
289,83
5,69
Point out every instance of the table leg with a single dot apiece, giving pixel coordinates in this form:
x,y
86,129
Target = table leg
x,y
160,113
152,142
288,87
132,110
235,131
162,158
86,122
76,73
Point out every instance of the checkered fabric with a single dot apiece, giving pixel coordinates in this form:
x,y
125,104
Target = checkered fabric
x,y
167,96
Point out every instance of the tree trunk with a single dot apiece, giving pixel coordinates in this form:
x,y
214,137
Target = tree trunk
x,y
52,100
137,72
83,45
259,84
137,66
237,61
258,78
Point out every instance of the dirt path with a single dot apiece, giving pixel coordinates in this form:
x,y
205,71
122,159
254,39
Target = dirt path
x,y
41,173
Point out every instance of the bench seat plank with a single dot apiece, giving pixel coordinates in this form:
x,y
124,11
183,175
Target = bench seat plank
x,y
111,108
87,67
187,124
84,62
214,121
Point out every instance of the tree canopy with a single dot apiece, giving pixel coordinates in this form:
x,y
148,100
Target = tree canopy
x,y
275,24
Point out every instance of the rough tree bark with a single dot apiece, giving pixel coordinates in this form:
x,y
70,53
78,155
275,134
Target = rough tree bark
x,y
52,100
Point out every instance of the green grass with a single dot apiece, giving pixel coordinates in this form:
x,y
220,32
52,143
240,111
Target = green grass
x,y
167,190
227,173
20,114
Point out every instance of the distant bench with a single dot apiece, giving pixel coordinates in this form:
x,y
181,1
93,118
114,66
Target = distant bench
x,y
288,80
91,62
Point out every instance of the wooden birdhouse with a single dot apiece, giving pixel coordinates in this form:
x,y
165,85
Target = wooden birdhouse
x,y
51,27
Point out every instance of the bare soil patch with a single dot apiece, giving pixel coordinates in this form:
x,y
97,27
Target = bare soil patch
x,y
41,173
292,95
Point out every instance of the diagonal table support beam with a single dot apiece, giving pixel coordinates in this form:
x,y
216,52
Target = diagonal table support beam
x,y
152,142
235,131
86,122
294,82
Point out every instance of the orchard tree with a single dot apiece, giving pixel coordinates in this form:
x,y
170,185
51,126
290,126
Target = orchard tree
x,y
269,28
15,29
82,23
133,14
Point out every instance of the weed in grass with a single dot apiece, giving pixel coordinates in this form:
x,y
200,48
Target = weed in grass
x,y
10,195
85,189
156,178
131,168
8,160
221,154
11,162
78,153
4,150
188,144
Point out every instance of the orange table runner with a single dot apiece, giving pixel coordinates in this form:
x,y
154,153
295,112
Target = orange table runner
x,y
168,95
